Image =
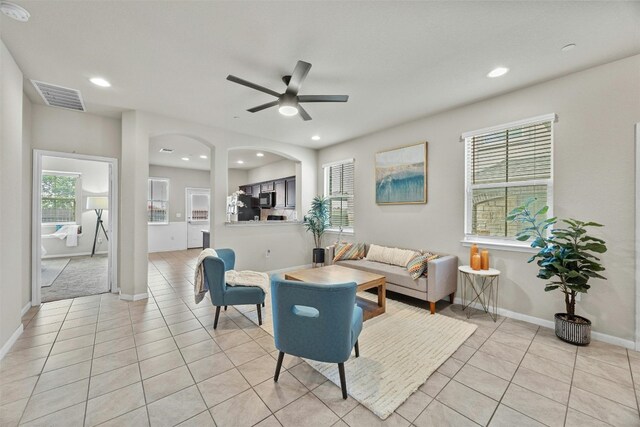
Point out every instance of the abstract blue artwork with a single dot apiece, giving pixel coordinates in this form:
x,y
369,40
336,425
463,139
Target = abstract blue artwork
x,y
401,175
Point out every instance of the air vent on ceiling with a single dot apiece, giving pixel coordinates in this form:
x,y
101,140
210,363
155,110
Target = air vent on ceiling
x,y
58,96
166,150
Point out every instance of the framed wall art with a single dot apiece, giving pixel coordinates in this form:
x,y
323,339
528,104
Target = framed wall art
x,y
401,175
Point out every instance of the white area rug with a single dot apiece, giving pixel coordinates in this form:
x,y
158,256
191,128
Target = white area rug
x,y
399,350
51,269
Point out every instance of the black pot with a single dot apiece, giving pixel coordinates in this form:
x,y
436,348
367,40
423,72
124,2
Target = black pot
x,y
576,331
318,255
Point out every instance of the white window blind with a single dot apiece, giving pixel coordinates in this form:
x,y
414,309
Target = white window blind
x,y
158,201
339,188
60,197
506,166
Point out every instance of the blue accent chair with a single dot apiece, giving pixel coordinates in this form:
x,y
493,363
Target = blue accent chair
x,y
223,295
316,321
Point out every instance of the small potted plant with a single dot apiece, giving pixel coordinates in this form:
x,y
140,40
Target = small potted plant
x,y
317,221
567,262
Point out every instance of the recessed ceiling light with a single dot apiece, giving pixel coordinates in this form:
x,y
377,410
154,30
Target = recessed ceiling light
x,y
202,156
568,47
99,81
260,154
186,159
14,11
316,137
240,162
497,72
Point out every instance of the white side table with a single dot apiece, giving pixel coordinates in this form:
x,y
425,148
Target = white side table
x,y
482,283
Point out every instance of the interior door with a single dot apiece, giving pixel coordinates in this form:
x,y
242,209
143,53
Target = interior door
x,y
197,213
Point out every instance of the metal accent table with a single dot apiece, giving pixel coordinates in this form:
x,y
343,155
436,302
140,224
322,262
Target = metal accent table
x,y
482,285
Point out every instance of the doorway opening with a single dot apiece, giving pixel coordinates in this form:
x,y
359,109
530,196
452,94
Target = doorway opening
x,y
74,231
197,211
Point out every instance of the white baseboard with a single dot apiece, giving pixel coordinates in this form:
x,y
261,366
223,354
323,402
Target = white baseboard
x,y
25,308
598,336
136,297
284,270
12,339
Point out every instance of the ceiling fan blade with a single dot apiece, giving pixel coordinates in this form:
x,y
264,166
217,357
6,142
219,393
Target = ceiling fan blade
x,y
323,98
263,107
303,113
298,76
252,85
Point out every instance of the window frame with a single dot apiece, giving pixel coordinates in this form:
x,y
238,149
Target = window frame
x,y
326,168
78,197
499,242
168,181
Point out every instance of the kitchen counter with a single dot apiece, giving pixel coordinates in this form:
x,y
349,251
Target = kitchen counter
x,y
260,223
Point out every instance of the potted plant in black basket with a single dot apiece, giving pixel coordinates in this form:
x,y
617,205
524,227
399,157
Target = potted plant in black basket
x,y
567,262
317,221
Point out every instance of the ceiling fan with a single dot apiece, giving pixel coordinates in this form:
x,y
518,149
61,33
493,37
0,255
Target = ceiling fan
x,y
289,101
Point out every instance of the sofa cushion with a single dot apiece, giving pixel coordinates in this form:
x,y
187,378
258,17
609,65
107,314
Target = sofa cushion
x,y
418,266
393,273
346,251
393,256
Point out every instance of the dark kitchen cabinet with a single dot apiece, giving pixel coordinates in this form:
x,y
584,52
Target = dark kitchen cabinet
x,y
266,187
255,190
280,193
246,189
290,193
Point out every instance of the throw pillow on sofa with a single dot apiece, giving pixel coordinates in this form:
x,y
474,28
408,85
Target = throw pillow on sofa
x,y
418,265
393,256
347,251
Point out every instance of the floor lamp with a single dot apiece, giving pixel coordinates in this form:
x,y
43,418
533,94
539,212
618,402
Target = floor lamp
x,y
98,204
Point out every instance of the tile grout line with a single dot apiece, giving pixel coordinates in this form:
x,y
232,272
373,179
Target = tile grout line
x,y
95,336
633,381
46,360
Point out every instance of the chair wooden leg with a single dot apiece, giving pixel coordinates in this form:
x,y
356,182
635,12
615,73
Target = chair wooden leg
x,y
278,366
343,380
225,308
357,348
259,314
432,307
263,304
215,322
452,296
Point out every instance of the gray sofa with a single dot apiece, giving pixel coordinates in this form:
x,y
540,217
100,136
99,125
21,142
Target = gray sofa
x,y
441,280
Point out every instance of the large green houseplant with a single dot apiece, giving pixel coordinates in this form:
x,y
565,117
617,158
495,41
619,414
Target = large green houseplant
x,y
317,221
567,262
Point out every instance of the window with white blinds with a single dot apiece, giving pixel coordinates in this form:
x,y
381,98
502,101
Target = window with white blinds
x,y
339,189
158,201
506,166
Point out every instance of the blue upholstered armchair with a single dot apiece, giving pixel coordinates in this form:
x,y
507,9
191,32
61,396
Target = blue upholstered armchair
x,y
223,295
316,321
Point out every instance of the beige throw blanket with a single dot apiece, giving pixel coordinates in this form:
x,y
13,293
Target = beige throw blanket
x,y
232,277
248,278
199,288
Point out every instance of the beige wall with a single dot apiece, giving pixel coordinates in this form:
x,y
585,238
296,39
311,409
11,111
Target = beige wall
x,y
12,231
237,177
594,174
179,180
275,170
68,131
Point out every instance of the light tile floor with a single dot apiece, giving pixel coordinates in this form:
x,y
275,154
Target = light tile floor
x,y
101,361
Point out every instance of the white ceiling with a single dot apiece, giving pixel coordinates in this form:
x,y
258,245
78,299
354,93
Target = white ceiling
x,y
183,147
250,159
398,61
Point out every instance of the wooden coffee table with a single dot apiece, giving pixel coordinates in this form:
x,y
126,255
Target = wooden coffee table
x,y
338,274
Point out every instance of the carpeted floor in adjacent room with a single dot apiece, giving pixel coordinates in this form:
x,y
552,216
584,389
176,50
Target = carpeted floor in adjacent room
x,y
82,276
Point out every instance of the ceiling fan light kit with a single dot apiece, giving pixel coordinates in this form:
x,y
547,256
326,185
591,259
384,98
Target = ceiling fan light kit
x,y
289,102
